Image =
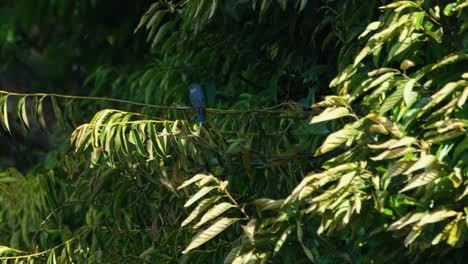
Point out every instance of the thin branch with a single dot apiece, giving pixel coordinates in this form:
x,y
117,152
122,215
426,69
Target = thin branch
x,y
272,110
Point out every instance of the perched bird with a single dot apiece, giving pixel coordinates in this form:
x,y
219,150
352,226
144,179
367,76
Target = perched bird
x,y
198,101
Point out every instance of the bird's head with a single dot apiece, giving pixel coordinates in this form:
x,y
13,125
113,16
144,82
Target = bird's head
x,y
194,87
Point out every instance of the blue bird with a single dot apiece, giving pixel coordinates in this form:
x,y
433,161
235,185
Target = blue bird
x,y
198,101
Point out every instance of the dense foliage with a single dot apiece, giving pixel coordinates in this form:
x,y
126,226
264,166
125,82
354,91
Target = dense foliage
x,y
336,131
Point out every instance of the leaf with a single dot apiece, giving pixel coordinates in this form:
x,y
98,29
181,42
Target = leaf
x,y
40,113
282,239
406,220
162,32
197,196
202,206
336,139
398,168
268,204
249,230
387,123
371,27
192,180
330,114
23,113
232,255
343,76
214,212
213,9
303,5
412,236
391,101
406,64
424,162
362,54
445,232
384,145
207,234
436,216
439,96
58,113
393,153
462,99
456,233
4,107
448,10
383,78
421,179
408,95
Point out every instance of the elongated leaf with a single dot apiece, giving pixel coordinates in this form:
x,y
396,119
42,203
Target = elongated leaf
x,y
393,153
391,101
202,206
4,107
408,95
336,139
399,168
387,123
22,111
383,78
422,179
330,114
232,255
423,162
282,239
436,216
192,180
197,196
214,212
439,96
406,220
207,234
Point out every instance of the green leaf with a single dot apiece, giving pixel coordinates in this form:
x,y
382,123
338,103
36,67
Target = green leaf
x,y
439,96
406,220
337,138
22,111
448,10
398,168
202,206
197,196
422,179
195,178
232,255
383,78
424,162
387,123
4,107
436,216
391,101
214,212
207,234
282,239
330,114
393,153
408,95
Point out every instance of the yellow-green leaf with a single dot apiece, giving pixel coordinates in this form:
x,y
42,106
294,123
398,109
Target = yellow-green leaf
x,y
393,153
214,212
207,234
197,196
330,114
202,206
422,179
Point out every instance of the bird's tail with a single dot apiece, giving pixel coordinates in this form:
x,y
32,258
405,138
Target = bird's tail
x,y
200,116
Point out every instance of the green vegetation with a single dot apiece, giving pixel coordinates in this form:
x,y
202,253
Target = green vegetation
x,y
336,131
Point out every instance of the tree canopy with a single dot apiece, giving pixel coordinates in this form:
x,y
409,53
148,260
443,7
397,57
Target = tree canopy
x,y
336,131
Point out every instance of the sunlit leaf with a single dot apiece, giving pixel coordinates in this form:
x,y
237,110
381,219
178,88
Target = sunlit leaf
x,y
207,234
